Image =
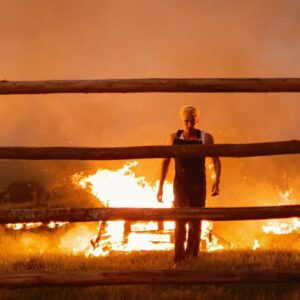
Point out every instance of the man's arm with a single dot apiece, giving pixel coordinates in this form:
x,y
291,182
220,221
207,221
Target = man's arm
x,y
209,140
164,170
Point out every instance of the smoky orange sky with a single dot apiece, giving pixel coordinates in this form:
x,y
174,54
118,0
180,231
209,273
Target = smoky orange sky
x,y
60,39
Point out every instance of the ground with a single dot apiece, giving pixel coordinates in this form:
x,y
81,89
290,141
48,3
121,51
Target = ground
x,y
16,261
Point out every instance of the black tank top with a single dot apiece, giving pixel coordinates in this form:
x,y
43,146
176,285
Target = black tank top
x,y
189,169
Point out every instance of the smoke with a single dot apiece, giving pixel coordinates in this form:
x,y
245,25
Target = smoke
x,y
68,239
43,40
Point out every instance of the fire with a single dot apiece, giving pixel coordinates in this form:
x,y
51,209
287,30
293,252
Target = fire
x,y
283,227
256,245
279,227
121,188
34,225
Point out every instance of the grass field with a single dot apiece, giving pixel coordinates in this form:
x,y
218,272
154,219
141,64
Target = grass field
x,y
19,258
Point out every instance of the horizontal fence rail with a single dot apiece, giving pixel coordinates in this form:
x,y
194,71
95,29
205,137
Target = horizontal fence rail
x,y
144,214
221,150
118,277
162,85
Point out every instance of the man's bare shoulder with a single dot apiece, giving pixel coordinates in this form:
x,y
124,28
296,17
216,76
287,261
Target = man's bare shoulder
x,y
171,138
208,139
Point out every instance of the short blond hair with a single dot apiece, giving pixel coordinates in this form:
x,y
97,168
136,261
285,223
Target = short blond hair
x,y
189,109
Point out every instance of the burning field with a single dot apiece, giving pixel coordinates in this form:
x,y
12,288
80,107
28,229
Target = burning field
x,y
147,245
93,240
120,236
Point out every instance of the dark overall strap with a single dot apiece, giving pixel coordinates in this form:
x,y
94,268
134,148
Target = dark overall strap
x,y
179,133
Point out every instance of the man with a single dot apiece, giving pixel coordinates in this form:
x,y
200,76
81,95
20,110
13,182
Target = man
x,y
189,183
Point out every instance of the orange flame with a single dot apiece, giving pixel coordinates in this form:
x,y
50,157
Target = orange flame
x,y
256,245
288,225
121,188
33,225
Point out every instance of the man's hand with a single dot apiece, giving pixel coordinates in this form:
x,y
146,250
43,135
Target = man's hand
x,y
159,195
215,190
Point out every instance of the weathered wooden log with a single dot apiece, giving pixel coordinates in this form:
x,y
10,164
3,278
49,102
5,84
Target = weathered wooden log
x,y
143,214
162,85
221,150
118,277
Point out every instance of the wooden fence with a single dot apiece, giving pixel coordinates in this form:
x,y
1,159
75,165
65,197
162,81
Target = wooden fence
x,y
119,277
147,214
221,150
161,85
79,278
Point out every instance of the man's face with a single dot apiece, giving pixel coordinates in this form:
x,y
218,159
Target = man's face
x,y
189,121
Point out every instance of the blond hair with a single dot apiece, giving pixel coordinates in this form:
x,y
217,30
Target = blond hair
x,y
189,109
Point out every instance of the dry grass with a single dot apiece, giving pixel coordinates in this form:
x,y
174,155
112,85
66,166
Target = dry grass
x,y
18,259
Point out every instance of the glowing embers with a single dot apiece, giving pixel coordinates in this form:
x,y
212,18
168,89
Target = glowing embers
x,y
282,227
128,236
256,245
121,188
285,226
280,233
35,225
